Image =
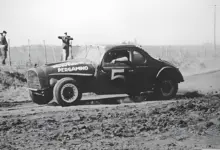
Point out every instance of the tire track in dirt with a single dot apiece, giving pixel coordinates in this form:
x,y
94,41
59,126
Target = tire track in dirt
x,y
205,83
173,124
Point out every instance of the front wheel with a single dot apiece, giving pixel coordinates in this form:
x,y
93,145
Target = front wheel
x,y
166,89
67,92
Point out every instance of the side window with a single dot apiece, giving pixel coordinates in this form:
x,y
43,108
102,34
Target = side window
x,y
138,58
117,56
108,57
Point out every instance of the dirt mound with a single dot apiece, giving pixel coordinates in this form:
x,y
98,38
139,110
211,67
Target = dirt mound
x,y
191,94
163,126
11,79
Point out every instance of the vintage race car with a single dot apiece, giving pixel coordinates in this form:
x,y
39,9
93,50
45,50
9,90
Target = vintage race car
x,y
121,69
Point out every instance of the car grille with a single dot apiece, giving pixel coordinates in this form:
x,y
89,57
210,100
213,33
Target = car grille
x,y
33,80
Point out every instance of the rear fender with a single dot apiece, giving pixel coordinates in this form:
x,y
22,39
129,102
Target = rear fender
x,y
170,72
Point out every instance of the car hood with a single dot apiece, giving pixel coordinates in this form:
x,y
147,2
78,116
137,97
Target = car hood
x,y
80,66
77,67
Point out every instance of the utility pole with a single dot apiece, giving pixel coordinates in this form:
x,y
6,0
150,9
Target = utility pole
x,y
215,28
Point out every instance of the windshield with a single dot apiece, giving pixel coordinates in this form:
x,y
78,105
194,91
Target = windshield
x,y
94,53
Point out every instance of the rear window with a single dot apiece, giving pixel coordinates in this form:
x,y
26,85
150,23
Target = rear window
x,y
138,58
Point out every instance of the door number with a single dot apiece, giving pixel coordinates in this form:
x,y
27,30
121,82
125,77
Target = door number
x,y
117,73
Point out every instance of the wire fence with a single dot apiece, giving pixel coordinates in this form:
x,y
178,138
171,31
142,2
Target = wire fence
x,y
28,56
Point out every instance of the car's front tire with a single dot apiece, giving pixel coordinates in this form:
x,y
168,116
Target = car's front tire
x,y
41,99
166,89
67,92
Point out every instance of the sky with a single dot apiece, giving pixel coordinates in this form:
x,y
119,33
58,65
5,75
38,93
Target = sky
x,y
150,22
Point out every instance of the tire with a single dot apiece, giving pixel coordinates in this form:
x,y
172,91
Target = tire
x,y
166,89
135,97
133,94
67,92
39,99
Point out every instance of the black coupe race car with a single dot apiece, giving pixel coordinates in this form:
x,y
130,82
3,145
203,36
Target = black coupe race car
x,y
122,69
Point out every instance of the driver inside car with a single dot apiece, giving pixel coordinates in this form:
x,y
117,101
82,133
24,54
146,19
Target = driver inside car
x,y
120,57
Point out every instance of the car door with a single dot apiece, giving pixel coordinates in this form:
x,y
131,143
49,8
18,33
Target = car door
x,y
113,74
141,70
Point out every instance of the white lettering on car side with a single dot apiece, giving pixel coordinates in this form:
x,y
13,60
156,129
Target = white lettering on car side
x,y
68,64
60,69
70,69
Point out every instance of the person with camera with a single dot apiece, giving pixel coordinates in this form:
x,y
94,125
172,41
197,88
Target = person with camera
x,y
65,46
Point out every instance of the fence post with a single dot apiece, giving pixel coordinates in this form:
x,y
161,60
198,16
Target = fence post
x,y
98,50
45,51
54,56
166,52
9,52
86,51
29,54
181,54
71,49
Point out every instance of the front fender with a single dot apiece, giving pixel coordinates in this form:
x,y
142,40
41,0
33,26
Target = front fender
x,y
170,72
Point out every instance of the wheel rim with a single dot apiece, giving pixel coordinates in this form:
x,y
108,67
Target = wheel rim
x,y
69,93
167,87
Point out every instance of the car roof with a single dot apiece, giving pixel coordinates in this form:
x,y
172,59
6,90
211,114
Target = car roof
x,y
121,46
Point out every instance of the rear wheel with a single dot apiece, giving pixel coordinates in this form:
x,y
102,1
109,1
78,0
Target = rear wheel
x,y
67,92
133,94
166,89
39,98
136,96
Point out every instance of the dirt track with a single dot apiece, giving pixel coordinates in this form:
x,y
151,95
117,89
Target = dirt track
x,y
206,83
182,123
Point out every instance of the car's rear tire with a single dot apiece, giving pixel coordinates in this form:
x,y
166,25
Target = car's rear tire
x,y
133,94
135,97
41,99
165,89
67,92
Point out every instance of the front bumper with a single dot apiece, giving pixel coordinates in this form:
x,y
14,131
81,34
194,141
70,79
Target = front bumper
x,y
32,89
41,92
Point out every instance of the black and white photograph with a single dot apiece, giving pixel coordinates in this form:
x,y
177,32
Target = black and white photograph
x,y
109,74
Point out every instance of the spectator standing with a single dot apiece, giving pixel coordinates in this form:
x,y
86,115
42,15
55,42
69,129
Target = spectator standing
x,y
3,46
65,45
